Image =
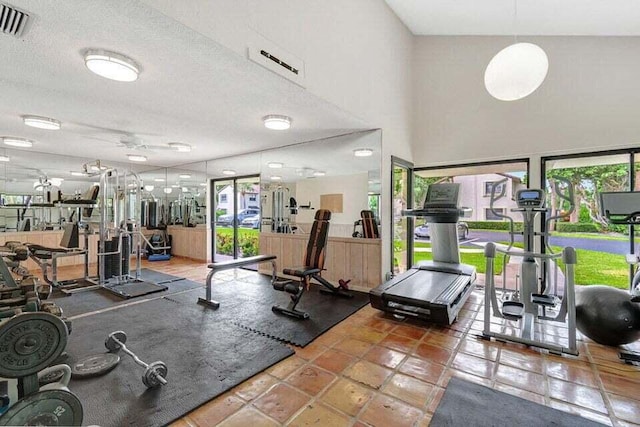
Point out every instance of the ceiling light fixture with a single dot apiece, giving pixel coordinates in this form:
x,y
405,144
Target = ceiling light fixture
x,y
228,172
275,165
319,173
41,122
76,173
517,70
136,158
158,179
276,178
180,146
17,142
363,152
175,186
149,188
111,65
277,122
185,176
167,190
4,158
203,184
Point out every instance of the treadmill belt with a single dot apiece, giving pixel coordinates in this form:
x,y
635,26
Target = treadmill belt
x,y
135,289
422,285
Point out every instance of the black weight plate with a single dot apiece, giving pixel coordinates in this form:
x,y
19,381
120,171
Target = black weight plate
x,y
29,343
51,377
45,408
94,365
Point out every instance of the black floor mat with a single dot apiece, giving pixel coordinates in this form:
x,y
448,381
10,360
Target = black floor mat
x,y
204,359
98,299
158,277
248,303
468,404
136,288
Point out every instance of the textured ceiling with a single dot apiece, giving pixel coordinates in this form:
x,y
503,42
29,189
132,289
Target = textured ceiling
x,y
534,17
191,89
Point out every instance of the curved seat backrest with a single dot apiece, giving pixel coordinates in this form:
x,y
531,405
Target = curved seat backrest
x,y
314,255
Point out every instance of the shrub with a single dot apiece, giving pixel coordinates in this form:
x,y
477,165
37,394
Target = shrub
x,y
248,245
577,227
220,212
224,243
493,225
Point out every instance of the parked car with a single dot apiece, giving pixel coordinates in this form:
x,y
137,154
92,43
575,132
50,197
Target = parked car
x,y
251,222
422,231
227,220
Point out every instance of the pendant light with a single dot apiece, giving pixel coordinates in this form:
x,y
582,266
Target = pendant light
x,y
517,70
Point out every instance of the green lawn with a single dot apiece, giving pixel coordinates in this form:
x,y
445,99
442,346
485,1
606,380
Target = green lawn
x,y
228,231
593,268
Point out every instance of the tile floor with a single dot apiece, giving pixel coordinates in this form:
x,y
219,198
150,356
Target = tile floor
x,y
373,370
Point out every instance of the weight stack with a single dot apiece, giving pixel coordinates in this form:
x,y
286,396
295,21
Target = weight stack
x,y
126,253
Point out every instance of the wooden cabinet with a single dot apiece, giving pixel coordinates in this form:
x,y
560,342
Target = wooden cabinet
x,y
345,258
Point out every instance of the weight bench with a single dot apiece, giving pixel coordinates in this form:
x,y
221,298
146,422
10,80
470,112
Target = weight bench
x,y
227,265
312,269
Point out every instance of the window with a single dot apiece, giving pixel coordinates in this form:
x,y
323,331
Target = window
x,y
252,198
223,198
490,216
488,185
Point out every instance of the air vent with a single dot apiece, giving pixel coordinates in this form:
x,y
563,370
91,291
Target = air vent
x,y
276,59
12,21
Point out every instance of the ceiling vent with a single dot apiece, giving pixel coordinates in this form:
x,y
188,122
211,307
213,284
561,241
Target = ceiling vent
x,y
276,59
13,22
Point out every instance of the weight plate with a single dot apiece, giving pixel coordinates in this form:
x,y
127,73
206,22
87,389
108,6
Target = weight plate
x,y
45,408
114,341
29,343
51,377
94,365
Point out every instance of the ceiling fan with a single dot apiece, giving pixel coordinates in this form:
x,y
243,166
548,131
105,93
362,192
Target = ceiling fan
x,y
133,142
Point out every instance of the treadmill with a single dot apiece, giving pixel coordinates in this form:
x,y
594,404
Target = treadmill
x,y
432,290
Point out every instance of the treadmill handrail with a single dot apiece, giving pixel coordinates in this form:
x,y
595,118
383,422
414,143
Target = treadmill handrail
x,y
527,254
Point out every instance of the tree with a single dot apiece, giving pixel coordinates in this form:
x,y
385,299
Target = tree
x,y
589,181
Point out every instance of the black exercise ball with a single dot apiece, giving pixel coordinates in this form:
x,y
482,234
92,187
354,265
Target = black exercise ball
x,y
607,315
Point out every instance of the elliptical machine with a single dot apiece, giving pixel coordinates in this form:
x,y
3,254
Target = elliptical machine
x,y
539,298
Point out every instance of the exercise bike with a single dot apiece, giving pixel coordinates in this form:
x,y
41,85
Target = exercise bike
x,y
538,298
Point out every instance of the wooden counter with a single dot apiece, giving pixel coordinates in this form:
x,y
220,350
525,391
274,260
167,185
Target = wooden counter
x,y
346,257
189,242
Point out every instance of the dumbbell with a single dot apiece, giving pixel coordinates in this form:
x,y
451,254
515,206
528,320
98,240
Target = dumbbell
x,y
154,373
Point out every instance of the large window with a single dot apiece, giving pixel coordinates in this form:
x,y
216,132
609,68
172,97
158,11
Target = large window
x,y
600,246
476,182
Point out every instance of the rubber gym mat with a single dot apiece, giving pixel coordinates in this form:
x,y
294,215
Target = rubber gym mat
x,y
98,299
248,301
204,359
468,404
158,277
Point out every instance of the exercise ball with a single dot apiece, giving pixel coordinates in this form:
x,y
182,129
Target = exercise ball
x,y
607,315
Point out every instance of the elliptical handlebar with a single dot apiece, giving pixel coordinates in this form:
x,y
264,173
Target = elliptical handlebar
x,y
502,184
567,196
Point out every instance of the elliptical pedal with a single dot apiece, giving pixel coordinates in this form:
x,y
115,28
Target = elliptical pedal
x,y
513,310
542,299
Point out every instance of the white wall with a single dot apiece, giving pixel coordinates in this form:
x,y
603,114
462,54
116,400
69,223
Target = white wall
x,y
357,56
354,199
589,100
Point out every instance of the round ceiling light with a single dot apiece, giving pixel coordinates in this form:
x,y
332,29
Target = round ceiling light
x,y
363,152
228,172
276,178
149,188
180,146
185,176
277,122
167,190
158,179
136,158
275,165
516,71
17,142
78,173
203,184
4,158
111,65
41,122
319,173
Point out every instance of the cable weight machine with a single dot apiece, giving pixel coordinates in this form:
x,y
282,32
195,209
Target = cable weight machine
x,y
121,236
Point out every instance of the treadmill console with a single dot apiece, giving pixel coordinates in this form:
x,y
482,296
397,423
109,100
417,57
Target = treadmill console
x,y
530,198
442,195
